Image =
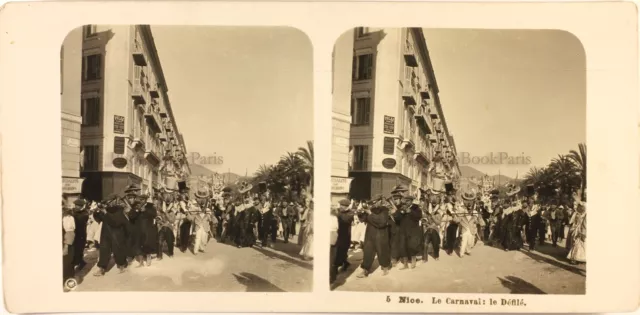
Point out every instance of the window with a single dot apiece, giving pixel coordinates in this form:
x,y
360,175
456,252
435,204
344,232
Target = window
x,y
90,31
360,111
91,156
363,67
362,31
90,111
360,157
91,67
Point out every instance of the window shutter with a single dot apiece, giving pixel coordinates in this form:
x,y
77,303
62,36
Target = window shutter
x,y
83,113
365,157
367,111
84,67
353,110
98,68
354,68
370,66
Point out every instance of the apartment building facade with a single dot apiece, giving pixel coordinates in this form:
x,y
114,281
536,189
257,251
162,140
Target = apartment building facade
x,y
70,91
397,121
341,117
128,133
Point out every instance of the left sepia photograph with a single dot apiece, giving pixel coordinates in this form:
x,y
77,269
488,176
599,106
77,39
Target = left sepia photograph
x,y
187,159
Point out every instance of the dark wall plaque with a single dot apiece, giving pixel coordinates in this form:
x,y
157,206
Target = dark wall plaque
x,y
120,162
389,124
118,124
389,163
389,145
118,145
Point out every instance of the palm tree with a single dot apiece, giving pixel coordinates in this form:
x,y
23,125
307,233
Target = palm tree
x,y
262,174
579,158
306,154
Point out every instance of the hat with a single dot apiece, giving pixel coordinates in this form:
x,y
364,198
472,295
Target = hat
x,y
377,197
226,190
132,189
408,198
80,202
202,192
468,196
344,202
243,187
433,192
513,190
399,189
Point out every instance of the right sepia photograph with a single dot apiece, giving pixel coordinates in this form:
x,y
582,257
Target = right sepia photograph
x,y
458,161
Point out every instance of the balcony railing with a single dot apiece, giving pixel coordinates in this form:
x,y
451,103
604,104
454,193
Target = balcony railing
x,y
153,118
138,53
409,93
410,55
424,93
422,120
153,90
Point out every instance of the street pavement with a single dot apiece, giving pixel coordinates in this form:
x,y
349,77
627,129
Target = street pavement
x,y
487,270
223,267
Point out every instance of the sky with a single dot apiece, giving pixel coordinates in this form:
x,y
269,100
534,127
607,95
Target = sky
x,y
519,92
241,93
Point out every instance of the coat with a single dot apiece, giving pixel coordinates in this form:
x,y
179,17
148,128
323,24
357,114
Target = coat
x,y
145,232
409,237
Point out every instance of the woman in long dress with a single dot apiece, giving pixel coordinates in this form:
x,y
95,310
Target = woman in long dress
x,y
307,231
578,235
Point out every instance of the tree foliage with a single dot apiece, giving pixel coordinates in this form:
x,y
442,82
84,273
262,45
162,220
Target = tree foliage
x,y
292,174
563,177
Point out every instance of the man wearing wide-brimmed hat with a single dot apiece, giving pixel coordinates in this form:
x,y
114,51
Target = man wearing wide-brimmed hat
x,y
113,237
467,222
376,240
201,220
409,234
397,204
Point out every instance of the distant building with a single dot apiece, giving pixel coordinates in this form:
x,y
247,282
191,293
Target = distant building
x,y
341,118
397,123
128,133
70,92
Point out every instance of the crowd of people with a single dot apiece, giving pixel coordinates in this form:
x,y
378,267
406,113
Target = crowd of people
x,y
399,229
137,227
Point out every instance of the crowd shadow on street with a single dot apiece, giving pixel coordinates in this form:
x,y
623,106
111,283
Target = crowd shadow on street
x,y
355,260
557,258
284,252
255,283
518,286
91,259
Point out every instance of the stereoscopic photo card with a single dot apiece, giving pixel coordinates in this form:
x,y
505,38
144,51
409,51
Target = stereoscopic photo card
x,y
444,144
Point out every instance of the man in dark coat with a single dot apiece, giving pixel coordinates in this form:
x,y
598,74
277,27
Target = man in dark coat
x,y
113,237
345,219
409,237
532,225
376,239
80,216
146,233
431,227
165,230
